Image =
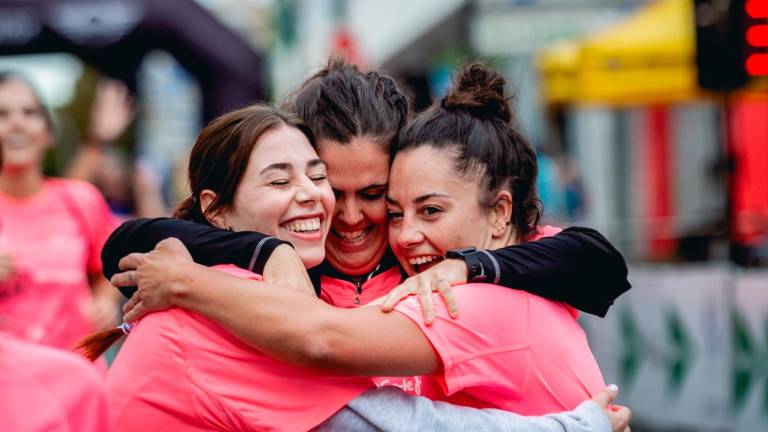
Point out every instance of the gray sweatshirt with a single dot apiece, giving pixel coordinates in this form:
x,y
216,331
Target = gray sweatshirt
x,y
390,409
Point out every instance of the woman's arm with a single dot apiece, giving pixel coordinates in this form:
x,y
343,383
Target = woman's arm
x,y
208,245
389,408
577,266
360,341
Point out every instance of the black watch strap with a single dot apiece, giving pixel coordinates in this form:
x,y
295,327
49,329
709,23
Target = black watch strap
x,y
471,256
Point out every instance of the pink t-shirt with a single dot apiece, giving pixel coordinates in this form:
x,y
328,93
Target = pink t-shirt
x,y
56,238
49,390
509,349
342,293
180,371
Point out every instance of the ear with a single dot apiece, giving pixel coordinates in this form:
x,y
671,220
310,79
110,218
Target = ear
x,y
501,214
218,219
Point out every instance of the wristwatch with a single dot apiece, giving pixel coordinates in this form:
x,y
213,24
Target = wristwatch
x,y
470,256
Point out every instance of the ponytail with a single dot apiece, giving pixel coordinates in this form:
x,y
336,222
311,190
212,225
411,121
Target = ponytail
x,y
190,210
93,346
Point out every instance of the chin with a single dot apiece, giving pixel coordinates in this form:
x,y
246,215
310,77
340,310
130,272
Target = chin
x,y
311,258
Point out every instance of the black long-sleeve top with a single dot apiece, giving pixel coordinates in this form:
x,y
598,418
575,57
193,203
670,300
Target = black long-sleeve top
x,y
578,266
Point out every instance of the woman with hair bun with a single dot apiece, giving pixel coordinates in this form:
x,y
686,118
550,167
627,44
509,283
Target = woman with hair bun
x,y
463,177
256,168
357,117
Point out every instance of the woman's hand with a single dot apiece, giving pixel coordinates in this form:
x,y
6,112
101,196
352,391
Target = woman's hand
x,y
438,278
618,415
112,111
159,275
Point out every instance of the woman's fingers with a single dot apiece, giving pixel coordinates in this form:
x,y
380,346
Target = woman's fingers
x,y
619,418
444,288
131,303
398,293
427,305
125,279
135,313
606,396
131,261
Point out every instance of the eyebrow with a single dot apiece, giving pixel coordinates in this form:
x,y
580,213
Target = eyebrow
x,y
422,198
315,162
285,166
419,199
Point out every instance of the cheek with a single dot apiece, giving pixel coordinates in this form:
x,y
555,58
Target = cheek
x,y
261,212
375,211
328,199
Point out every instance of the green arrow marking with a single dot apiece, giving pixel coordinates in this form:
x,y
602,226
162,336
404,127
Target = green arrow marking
x,y
743,349
681,354
631,356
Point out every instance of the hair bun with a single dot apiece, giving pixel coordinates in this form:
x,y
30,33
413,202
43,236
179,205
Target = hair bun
x,y
479,91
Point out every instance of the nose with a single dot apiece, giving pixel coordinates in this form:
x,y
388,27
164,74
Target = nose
x,y
349,211
308,192
409,234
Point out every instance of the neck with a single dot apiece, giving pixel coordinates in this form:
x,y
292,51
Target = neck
x,y
21,183
508,239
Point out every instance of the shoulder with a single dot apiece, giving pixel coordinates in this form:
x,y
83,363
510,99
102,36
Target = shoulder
x,y
544,231
82,192
237,271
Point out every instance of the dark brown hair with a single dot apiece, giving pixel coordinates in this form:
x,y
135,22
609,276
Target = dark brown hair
x,y
217,162
220,156
340,102
475,122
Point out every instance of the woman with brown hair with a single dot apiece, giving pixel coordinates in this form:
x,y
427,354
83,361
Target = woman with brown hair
x,y
51,233
357,117
476,193
256,168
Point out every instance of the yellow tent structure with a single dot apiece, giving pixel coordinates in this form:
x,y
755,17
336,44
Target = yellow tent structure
x,y
649,58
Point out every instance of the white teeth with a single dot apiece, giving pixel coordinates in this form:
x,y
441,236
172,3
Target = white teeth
x,y
352,235
307,225
421,260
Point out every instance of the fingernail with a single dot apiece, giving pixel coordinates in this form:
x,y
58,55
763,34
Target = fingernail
x,y
613,387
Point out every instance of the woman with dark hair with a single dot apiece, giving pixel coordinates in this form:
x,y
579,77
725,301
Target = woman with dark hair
x,y
51,233
508,349
356,117
256,169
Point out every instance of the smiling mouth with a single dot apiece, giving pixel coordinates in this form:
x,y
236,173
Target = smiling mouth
x,y
16,142
352,236
303,226
421,263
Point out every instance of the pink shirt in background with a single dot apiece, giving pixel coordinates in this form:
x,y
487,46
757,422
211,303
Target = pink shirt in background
x,y
56,238
180,371
49,390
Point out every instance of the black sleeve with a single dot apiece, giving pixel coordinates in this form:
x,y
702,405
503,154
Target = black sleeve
x,y
578,266
206,244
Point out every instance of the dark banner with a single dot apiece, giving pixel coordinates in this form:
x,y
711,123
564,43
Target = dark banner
x,y
114,36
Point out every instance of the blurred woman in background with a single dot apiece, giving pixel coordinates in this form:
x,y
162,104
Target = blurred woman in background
x,y
51,233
